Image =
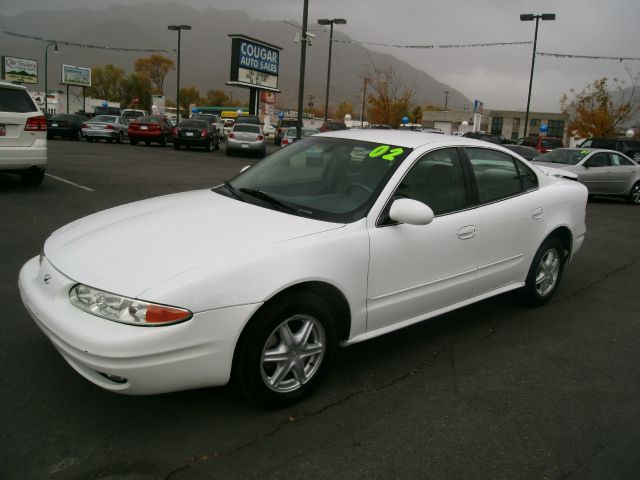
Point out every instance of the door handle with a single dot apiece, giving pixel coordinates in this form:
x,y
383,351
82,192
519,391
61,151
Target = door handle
x,y
467,232
536,213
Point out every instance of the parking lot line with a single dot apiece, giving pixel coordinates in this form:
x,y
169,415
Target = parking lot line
x,y
70,182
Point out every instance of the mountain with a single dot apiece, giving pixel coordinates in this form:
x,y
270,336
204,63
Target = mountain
x,y
206,51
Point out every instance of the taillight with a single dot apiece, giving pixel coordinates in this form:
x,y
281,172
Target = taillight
x,y
232,136
36,124
109,127
285,141
260,137
84,125
204,133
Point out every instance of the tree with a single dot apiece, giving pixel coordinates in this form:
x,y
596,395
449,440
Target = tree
x,y
189,95
156,68
391,98
417,114
107,83
598,111
137,85
216,98
343,109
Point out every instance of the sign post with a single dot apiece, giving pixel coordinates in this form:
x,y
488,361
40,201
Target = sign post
x,y
478,109
78,76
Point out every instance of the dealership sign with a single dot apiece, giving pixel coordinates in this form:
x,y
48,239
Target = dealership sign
x,y
254,63
22,70
76,76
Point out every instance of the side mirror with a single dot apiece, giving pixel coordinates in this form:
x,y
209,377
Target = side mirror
x,y
411,212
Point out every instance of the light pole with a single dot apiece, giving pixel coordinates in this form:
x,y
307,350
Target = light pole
x,y
179,28
46,72
329,21
528,17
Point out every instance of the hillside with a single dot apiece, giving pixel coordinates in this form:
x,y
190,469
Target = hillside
x,y
206,50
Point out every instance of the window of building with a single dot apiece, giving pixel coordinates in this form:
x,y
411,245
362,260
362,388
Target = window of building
x,y
496,125
534,122
556,128
515,131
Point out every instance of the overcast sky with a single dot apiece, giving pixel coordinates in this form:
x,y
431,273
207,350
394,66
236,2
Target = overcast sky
x,y
499,76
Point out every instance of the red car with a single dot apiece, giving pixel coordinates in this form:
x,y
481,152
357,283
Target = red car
x,y
154,128
541,143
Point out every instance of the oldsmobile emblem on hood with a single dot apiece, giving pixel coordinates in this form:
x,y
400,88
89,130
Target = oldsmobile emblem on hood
x,y
47,279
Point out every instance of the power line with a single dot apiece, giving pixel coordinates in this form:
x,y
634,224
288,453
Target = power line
x,y
429,47
586,57
82,45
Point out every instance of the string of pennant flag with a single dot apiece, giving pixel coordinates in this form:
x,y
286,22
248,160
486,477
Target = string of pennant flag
x,y
83,45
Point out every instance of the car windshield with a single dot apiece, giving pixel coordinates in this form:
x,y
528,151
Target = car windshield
x,y
193,124
330,179
246,127
564,156
104,118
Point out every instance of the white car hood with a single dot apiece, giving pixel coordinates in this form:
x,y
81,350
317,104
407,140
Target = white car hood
x,y
131,248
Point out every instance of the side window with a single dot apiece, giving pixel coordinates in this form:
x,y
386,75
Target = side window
x,y
598,160
496,174
527,176
437,181
618,160
586,143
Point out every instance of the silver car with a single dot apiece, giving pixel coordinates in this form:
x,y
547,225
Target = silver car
x,y
604,172
246,137
108,127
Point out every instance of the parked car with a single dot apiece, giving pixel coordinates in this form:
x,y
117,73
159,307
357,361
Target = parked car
x,y
282,126
630,147
214,121
332,126
227,126
23,135
292,133
303,251
527,152
107,111
153,128
541,143
485,137
604,172
246,137
65,125
196,133
131,113
108,127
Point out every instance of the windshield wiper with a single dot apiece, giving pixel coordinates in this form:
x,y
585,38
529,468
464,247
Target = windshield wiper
x,y
232,190
270,200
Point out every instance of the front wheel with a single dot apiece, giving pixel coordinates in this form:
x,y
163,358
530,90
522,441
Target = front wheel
x,y
545,273
285,351
634,194
120,137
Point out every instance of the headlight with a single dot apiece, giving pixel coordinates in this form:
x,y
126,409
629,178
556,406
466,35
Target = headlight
x,y
125,310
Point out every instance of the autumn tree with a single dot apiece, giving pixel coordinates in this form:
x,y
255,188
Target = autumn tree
x,y
137,85
156,68
107,83
600,110
343,109
189,95
217,98
391,98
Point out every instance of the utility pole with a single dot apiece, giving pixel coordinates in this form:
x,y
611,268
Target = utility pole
x,y
310,104
364,96
446,100
303,59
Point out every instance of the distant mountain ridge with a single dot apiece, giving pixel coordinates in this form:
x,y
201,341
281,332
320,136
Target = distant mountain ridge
x,y
206,51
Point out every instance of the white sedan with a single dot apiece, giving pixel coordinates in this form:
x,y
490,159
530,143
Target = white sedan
x,y
336,239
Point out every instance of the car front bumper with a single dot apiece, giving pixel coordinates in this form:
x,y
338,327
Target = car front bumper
x,y
91,133
126,358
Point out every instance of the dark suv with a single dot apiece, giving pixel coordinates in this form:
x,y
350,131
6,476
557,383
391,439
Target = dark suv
x,y
631,148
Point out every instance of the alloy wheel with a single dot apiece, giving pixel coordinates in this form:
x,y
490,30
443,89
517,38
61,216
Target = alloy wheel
x,y
548,271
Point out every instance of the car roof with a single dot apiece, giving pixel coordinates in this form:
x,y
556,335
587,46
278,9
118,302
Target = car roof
x,y
406,138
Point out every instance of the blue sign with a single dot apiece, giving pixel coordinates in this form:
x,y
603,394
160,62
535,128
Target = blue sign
x,y
478,107
254,56
544,128
405,120
281,115
105,104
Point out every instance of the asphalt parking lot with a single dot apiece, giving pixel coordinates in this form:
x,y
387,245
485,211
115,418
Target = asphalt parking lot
x,y
492,391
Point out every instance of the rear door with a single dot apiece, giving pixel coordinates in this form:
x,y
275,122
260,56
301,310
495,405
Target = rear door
x,y
16,106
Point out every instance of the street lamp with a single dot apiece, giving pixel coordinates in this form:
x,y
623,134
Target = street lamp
x,y
329,21
46,72
179,28
529,17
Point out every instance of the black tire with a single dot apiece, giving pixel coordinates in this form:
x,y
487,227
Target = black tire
x,y
90,139
544,273
303,359
32,177
634,195
263,153
163,141
635,155
217,144
227,152
110,140
147,143
210,147
132,141
120,137
77,136
176,146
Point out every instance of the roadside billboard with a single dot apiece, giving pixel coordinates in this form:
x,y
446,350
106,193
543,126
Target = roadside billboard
x,y
22,70
254,63
79,76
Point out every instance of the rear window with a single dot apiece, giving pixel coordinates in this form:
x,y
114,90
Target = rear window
x,y
150,120
16,101
551,143
246,127
193,124
104,118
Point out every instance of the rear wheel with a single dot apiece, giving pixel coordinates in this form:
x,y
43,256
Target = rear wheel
x,y
32,177
634,195
120,137
210,146
227,151
545,273
285,350
176,146
132,141
635,156
163,141
90,139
